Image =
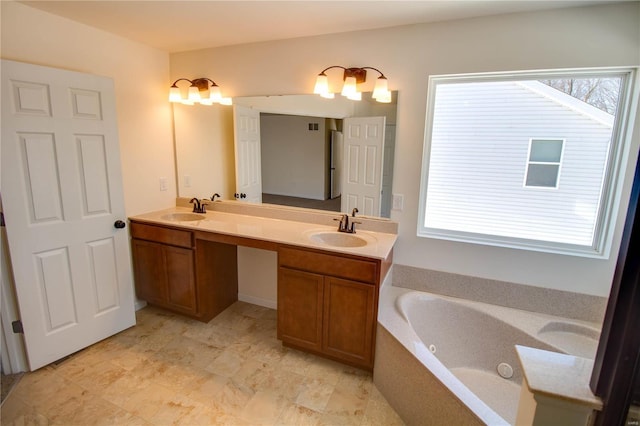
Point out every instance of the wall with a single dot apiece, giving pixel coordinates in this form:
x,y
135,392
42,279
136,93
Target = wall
x,y
206,154
594,36
141,76
293,157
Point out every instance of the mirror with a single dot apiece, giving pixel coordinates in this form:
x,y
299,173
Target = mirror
x,y
297,134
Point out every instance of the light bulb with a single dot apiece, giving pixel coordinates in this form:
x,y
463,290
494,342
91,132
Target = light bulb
x,y
214,94
380,88
174,94
349,87
322,85
194,94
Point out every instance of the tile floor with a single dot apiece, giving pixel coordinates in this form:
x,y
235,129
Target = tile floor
x,y
172,370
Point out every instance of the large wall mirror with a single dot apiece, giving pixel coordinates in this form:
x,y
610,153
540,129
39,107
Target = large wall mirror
x,y
328,154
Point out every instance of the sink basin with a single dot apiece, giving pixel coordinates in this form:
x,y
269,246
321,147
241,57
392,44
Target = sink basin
x,y
338,239
183,217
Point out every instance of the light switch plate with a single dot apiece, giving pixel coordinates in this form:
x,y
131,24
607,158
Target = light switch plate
x,y
187,181
163,184
398,202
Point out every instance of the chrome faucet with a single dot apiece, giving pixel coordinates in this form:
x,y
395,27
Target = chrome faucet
x,y
198,206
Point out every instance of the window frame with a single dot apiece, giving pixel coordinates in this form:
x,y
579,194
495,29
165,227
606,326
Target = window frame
x,y
615,169
558,163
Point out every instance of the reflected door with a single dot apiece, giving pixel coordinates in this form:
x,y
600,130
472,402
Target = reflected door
x,y
248,157
363,157
62,194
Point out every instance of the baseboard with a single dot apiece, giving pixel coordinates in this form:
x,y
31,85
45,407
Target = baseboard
x,y
258,301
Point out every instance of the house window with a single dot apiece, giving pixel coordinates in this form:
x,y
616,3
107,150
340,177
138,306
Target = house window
x,y
486,180
543,165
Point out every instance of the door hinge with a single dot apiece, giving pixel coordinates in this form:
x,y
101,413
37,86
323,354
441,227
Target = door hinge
x,y
2,219
17,327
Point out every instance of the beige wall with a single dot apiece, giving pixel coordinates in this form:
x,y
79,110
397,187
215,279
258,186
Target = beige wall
x,y
578,37
206,150
141,76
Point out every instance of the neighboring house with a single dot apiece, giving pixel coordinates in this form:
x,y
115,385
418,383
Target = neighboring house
x,y
520,159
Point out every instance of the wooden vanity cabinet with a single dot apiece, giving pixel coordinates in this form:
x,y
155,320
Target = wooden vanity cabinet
x,y
175,271
327,304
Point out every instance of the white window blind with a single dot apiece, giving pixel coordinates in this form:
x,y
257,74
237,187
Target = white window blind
x,y
488,178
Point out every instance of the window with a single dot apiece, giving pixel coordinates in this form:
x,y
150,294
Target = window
x,y
525,160
543,167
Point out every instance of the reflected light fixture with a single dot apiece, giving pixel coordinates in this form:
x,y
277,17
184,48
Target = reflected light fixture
x,y
352,77
199,93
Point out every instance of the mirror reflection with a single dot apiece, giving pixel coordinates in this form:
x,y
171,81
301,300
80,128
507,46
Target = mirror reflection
x,y
294,150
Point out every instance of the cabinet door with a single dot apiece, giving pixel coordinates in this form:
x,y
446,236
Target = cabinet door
x,y
181,288
300,308
349,320
150,276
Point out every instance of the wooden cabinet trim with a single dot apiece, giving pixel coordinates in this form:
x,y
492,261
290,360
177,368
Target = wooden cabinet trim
x,y
162,234
336,265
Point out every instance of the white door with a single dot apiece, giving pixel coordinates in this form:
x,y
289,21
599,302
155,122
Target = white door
x,y
387,169
62,193
362,171
248,158
336,163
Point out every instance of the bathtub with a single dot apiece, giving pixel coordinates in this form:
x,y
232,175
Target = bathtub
x,y
442,360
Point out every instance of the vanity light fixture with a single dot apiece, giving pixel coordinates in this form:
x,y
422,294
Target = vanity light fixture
x,y
199,93
352,77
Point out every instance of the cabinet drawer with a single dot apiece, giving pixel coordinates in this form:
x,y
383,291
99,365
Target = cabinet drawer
x,y
327,264
162,235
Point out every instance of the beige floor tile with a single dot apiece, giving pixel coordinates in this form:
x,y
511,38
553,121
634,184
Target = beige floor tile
x,y
283,382
16,412
91,376
233,398
173,412
169,369
147,402
294,414
325,369
315,394
187,351
263,408
295,361
227,364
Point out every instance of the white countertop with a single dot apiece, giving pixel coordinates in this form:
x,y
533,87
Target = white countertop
x,y
280,231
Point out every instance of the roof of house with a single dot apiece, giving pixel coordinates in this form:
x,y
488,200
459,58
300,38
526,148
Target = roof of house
x,y
569,101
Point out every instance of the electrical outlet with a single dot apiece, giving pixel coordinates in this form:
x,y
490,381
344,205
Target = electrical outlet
x,y
187,181
398,202
163,184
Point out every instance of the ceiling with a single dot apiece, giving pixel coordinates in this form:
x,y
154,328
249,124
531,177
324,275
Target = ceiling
x,y
175,26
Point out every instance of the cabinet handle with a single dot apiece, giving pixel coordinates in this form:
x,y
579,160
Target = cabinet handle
x,y
118,224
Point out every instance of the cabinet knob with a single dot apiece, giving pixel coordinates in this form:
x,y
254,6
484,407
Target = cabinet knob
x,y
118,224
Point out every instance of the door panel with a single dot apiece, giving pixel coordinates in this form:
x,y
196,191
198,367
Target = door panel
x,y
62,192
348,320
363,148
300,300
248,155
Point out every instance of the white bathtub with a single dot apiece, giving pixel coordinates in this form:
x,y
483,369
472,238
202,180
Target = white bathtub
x,y
460,344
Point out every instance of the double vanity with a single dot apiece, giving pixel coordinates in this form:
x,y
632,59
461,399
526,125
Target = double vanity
x,y
328,281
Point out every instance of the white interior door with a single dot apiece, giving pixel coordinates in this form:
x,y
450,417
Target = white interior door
x,y
387,169
248,158
362,172
337,151
62,193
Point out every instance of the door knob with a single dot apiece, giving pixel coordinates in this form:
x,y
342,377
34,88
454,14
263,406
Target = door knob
x,y
118,224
